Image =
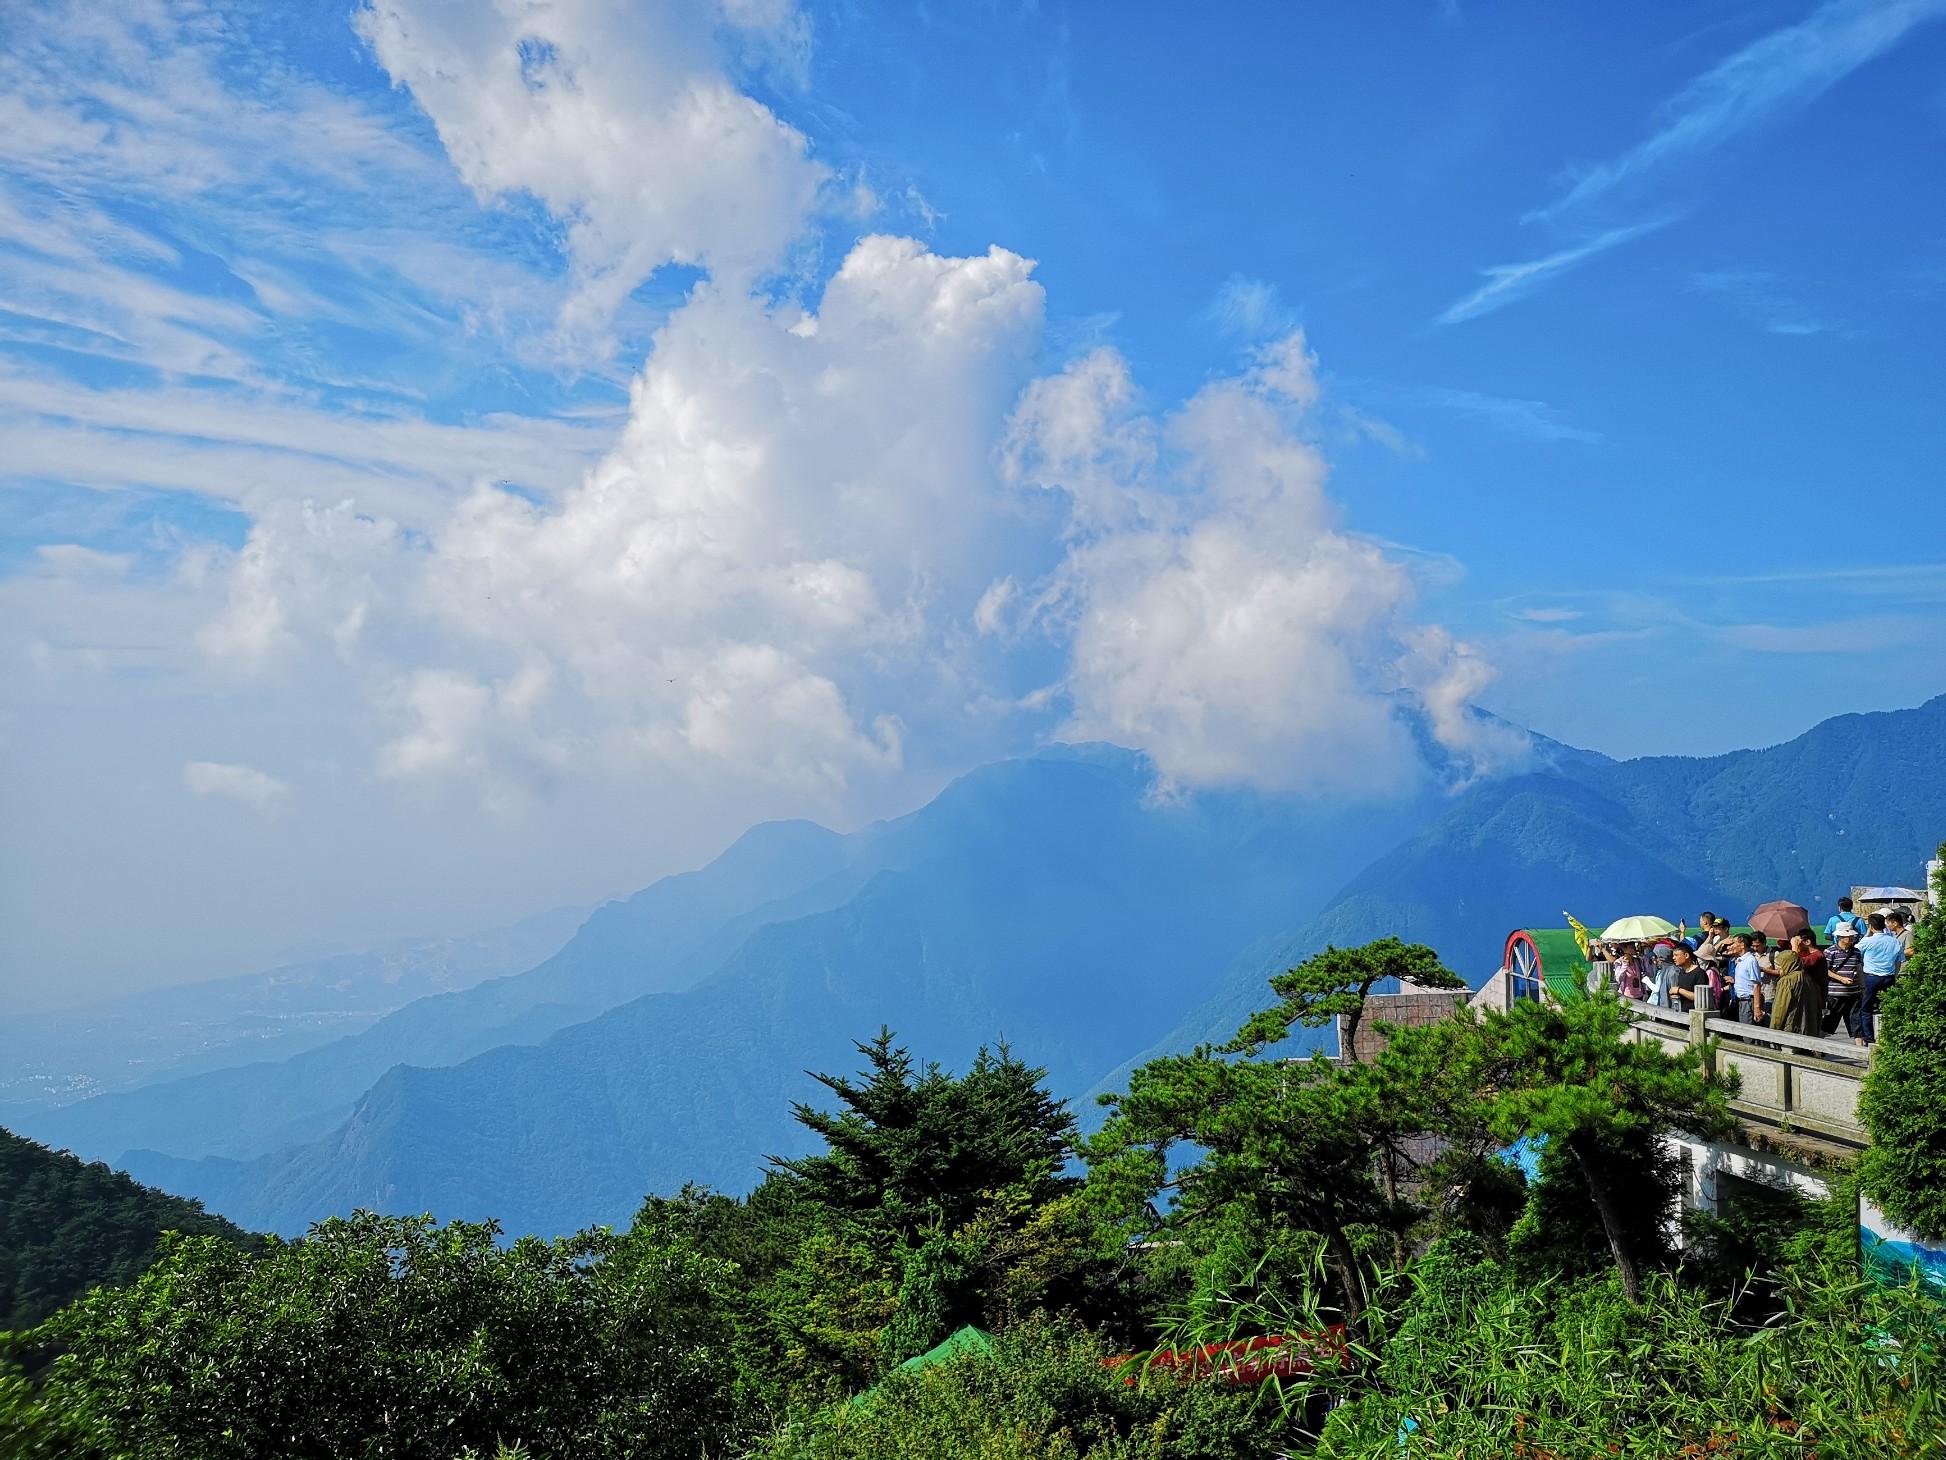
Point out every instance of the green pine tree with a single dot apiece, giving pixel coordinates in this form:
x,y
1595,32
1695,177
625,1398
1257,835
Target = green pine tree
x,y
1904,1101
1339,981
1570,1073
912,1149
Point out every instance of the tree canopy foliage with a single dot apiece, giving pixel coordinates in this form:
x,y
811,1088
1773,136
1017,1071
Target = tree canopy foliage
x,y
1337,984
913,1149
391,1338
1569,1075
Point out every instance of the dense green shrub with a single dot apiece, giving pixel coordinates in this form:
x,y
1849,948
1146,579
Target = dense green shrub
x,y
392,1339
1904,1100
1042,1394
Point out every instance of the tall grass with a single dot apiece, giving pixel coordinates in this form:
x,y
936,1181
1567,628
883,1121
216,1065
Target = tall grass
x,y
1458,1357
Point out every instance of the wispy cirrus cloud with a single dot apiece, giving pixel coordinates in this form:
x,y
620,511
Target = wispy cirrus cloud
x,y
1532,420
1762,297
258,790
1507,283
1765,80
1771,77
1548,615
1250,308
1847,636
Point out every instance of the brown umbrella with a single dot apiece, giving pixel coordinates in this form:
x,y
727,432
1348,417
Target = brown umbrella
x,y
1780,919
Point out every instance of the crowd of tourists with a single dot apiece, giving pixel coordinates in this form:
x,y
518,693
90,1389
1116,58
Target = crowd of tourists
x,y
1815,982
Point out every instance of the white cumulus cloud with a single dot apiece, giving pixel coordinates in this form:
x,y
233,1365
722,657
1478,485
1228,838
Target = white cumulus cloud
x,y
623,121
796,515
1218,614
830,527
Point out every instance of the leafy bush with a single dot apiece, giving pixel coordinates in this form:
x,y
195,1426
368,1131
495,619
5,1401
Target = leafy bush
x,y
392,1339
33,1429
1042,1394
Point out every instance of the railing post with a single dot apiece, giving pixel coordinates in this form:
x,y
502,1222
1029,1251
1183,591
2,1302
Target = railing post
x,y
1699,1036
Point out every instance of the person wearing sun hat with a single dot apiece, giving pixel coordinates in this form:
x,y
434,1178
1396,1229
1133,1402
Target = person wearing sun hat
x,y
1844,972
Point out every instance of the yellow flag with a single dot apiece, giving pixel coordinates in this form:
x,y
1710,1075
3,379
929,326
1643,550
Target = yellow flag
x,y
1580,933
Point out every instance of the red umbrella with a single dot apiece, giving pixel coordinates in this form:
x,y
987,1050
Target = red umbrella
x,y
1780,919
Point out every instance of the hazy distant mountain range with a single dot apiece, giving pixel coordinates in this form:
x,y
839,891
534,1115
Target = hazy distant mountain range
x,y
1054,901
53,1059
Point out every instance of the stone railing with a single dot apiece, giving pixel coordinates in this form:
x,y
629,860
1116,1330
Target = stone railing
x,y
1792,1083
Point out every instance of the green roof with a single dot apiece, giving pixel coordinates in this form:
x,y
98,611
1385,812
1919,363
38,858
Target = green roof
x,y
1563,969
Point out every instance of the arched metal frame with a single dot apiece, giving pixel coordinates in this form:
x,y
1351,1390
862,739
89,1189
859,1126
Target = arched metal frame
x,y
1526,978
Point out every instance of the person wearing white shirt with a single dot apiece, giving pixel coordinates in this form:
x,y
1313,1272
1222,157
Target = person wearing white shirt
x,y
1884,955
1746,981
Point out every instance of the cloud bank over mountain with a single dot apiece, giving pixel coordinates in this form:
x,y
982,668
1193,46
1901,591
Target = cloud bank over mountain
x,y
835,517
857,520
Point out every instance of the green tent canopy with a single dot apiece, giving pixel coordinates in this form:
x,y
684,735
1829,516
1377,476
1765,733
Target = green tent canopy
x,y
967,1340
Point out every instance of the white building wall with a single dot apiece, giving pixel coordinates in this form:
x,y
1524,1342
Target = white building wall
x,y
1707,1160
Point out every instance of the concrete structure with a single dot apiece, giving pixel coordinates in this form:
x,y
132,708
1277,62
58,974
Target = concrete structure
x,y
1798,1103
1798,1090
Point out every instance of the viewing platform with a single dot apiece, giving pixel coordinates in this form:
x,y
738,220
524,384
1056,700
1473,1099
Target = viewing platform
x,y
1798,1089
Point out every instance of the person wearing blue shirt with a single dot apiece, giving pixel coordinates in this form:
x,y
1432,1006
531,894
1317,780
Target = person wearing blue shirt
x,y
1884,955
1844,915
1746,981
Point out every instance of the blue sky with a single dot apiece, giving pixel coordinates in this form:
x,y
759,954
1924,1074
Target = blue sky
x,y
468,457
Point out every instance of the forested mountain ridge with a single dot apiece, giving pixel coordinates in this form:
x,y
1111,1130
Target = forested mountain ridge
x,y
67,1226
1856,798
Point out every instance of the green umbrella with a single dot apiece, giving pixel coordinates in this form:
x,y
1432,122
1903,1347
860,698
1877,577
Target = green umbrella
x,y
1639,929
